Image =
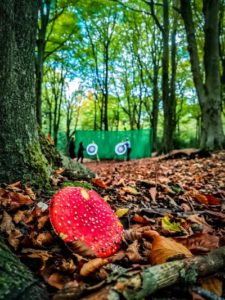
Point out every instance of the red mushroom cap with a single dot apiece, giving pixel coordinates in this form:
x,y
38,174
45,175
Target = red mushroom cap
x,y
80,214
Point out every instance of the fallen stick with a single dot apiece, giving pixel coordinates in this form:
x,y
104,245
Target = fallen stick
x,y
135,285
185,272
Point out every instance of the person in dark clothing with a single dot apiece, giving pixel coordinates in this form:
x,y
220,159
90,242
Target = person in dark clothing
x,y
128,145
72,152
80,153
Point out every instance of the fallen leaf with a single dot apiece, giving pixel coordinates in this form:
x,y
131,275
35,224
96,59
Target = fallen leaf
x,y
201,198
59,171
92,266
216,215
213,200
15,186
7,224
175,187
56,280
19,216
20,198
30,193
68,266
165,249
139,219
99,182
200,220
121,212
133,254
13,238
171,225
3,193
185,207
212,284
42,221
44,239
200,243
132,235
121,182
130,190
81,248
42,255
153,193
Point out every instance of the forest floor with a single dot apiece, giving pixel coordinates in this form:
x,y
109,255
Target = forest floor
x,y
158,201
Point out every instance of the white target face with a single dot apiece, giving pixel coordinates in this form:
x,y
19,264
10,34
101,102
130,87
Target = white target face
x,y
92,149
120,149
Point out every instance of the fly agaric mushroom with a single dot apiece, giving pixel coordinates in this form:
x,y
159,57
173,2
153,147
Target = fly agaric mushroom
x,y
77,214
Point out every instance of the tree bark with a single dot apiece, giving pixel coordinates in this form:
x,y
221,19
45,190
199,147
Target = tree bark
x,y
16,281
208,91
212,128
20,154
167,128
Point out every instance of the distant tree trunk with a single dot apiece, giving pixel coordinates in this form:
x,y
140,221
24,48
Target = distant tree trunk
x,y
169,105
106,86
58,89
95,111
20,154
172,93
154,112
69,117
208,91
222,48
155,106
167,124
49,111
44,9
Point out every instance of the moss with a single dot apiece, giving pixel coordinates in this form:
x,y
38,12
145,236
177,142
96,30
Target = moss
x,y
77,183
50,152
189,275
38,169
16,280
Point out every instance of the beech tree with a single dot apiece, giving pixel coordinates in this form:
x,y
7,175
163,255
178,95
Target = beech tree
x,y
206,79
20,154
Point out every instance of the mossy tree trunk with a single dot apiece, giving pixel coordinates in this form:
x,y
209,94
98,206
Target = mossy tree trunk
x,y
20,154
16,281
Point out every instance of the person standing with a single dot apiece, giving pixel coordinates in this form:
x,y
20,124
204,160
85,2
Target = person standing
x,y
80,153
72,152
128,145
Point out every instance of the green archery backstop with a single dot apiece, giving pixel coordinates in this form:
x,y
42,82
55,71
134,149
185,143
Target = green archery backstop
x,y
141,142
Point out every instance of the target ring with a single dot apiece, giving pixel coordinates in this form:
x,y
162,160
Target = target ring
x,y
92,149
120,149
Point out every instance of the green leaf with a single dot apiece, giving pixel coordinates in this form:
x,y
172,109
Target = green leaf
x,y
168,224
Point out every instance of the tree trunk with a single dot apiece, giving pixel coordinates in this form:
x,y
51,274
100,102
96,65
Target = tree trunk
x,y
212,129
167,124
209,94
172,93
16,281
106,86
155,106
44,9
222,48
20,154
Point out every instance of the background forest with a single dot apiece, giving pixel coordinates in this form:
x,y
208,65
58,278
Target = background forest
x,y
133,64
111,65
